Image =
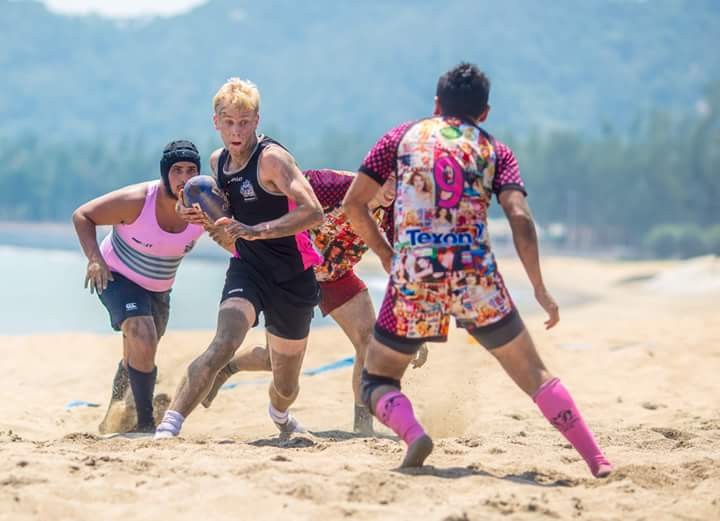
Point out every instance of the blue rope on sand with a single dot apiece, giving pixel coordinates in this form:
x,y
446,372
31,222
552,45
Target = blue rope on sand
x,y
332,366
343,362
74,404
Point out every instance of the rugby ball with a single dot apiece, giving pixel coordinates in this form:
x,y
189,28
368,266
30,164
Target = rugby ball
x,y
202,190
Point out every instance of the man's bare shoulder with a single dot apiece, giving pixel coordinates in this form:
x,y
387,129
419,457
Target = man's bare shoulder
x,y
276,157
119,206
277,167
132,193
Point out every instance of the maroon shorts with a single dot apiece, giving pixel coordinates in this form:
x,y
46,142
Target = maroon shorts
x,y
335,293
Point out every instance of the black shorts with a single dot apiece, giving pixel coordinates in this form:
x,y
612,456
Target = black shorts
x,y
287,306
490,337
124,299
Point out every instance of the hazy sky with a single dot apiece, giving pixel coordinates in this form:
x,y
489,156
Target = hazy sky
x,y
122,8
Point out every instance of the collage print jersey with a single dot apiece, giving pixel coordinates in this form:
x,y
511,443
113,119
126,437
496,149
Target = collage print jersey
x,y
447,172
340,247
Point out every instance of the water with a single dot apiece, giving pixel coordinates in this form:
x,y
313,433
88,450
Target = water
x,y
42,292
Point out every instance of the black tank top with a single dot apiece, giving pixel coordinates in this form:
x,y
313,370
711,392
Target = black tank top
x,y
280,259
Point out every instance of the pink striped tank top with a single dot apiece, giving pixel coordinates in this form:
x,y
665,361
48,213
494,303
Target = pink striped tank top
x,y
145,253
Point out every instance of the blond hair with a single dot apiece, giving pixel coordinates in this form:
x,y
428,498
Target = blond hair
x,y
242,94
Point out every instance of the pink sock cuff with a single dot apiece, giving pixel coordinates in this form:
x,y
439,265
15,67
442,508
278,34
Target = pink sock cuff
x,y
547,385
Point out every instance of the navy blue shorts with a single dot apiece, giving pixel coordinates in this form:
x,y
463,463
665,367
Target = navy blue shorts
x,y
124,299
287,306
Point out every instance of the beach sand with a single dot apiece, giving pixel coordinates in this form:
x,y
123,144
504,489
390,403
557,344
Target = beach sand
x,y
638,346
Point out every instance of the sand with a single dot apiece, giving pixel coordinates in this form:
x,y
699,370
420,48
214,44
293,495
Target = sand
x,y
640,354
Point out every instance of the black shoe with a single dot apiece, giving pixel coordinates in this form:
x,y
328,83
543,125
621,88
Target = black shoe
x,y
145,428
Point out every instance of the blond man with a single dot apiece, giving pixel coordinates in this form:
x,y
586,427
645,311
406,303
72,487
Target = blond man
x,y
343,295
272,206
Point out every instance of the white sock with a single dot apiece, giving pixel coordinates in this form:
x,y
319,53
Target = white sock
x,y
171,422
277,416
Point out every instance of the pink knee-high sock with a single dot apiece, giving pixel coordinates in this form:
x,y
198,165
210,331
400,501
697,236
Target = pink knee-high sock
x,y
395,411
558,407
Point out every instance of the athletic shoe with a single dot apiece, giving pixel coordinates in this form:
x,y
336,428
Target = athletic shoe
x,y
292,425
161,435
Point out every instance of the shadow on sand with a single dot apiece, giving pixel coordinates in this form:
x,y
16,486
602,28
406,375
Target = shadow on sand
x,y
533,477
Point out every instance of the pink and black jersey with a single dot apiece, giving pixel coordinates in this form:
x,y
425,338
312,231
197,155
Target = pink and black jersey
x,y
280,259
447,171
335,239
